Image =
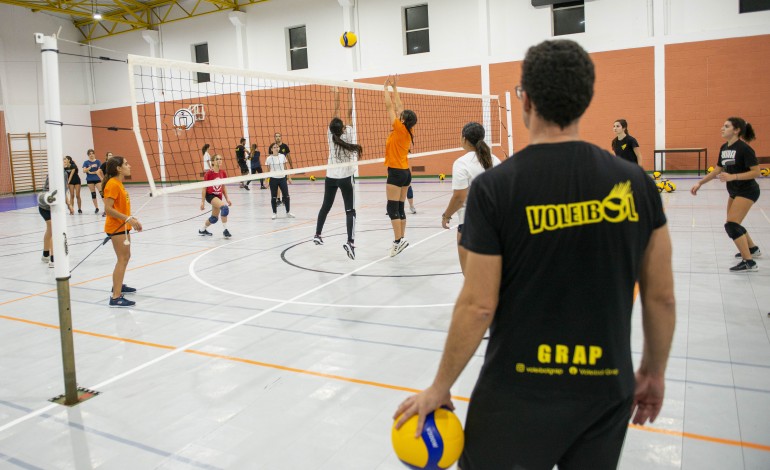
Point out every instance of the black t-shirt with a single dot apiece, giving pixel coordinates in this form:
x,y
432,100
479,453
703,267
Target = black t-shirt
x,y
240,153
738,158
284,149
624,148
572,224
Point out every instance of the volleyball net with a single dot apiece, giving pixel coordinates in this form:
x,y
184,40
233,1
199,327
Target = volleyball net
x,y
178,107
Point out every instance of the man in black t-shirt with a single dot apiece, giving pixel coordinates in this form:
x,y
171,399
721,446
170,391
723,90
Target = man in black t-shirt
x,y
240,156
557,238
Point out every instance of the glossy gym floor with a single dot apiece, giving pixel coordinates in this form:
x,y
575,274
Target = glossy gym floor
x,y
265,351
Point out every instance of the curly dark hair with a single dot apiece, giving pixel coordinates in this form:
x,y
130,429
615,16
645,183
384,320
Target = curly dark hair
x,y
558,76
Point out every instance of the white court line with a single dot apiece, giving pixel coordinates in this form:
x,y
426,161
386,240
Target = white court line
x,y
192,344
195,276
764,214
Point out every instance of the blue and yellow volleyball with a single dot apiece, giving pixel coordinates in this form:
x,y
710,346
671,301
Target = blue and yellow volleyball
x,y
710,169
312,178
669,186
656,175
764,171
441,176
348,39
438,447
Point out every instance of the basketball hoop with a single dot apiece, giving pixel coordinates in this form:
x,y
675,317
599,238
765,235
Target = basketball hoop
x,y
179,129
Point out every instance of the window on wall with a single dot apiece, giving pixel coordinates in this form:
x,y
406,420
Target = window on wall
x,y
569,18
416,29
201,52
298,48
750,6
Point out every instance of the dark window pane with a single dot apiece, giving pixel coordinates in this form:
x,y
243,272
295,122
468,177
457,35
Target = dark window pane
x,y
417,42
569,21
417,17
203,77
297,37
748,6
202,53
298,59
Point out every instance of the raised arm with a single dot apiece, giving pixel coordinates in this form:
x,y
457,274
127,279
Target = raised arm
x,y
388,102
396,98
336,102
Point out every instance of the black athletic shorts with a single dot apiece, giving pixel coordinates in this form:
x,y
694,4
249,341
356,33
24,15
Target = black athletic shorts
x,y
244,168
538,432
120,232
399,177
460,228
45,213
210,197
751,194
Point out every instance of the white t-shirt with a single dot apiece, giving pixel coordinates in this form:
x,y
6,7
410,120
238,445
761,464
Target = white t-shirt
x,y
340,155
464,170
276,163
206,162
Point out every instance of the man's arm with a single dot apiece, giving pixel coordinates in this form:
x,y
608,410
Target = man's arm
x,y
656,285
472,315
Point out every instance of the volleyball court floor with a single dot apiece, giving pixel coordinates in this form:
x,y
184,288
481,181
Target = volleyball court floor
x,y
266,351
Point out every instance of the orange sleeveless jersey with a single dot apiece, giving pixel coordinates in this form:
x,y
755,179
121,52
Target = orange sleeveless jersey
x,y
397,146
115,190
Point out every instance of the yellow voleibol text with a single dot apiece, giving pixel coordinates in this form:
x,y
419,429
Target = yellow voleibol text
x,y
617,207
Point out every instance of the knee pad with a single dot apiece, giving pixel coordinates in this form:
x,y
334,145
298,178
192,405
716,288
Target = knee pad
x,y
213,220
224,210
392,209
409,193
401,211
93,194
734,230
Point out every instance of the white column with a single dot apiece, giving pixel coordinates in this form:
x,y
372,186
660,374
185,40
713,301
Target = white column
x,y
484,51
658,11
152,38
348,13
238,20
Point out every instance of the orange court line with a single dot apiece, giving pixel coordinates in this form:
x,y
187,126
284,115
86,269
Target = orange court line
x,y
700,437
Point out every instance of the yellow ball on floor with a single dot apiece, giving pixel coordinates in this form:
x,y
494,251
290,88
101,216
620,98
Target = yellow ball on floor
x,y
656,175
661,185
711,168
441,176
669,186
438,447
764,171
312,178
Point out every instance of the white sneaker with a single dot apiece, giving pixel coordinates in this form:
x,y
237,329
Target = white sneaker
x,y
45,259
290,215
50,264
274,215
401,246
413,210
393,249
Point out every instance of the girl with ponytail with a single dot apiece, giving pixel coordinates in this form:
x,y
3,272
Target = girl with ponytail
x,y
738,167
343,149
117,224
478,159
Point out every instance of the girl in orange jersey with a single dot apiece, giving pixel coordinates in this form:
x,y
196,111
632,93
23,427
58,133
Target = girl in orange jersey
x,y
397,149
117,224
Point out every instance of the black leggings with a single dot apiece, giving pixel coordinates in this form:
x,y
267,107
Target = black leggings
x,y
276,183
330,192
255,170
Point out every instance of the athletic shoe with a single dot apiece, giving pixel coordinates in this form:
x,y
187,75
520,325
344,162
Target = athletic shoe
x,y
45,259
226,233
350,250
104,214
50,264
413,210
96,210
290,215
393,248
274,215
204,232
263,187
80,211
121,302
401,246
247,188
745,265
126,290
318,240
755,253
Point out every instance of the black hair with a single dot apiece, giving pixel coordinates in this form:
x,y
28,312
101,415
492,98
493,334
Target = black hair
x,y
410,119
111,169
243,140
336,126
623,123
205,148
474,133
558,77
746,131
270,148
69,159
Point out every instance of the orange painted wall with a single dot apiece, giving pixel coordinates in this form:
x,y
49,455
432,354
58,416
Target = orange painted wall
x,y
6,185
709,81
121,143
624,88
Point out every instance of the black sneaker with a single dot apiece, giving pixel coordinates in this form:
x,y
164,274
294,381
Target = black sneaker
x,y
350,250
80,211
96,210
204,233
318,240
226,233
755,253
124,289
121,302
263,187
247,188
744,266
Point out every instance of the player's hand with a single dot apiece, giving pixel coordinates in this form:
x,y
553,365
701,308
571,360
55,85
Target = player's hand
x,y
694,189
648,397
136,224
725,177
202,206
229,203
289,180
421,404
445,222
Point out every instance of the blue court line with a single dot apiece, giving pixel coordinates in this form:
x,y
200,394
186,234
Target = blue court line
x,y
12,203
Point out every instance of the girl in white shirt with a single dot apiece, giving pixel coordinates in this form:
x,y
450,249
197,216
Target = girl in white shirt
x,y
478,159
342,149
276,163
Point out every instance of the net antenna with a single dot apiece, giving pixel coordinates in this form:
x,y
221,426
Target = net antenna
x,y
175,113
